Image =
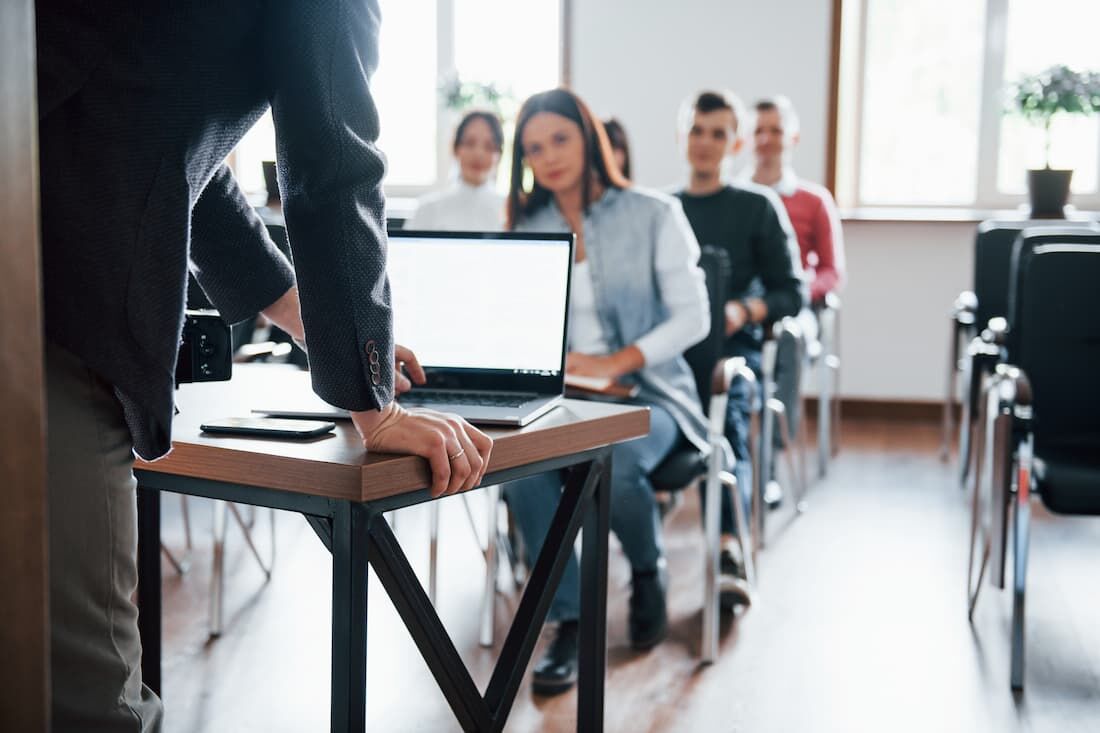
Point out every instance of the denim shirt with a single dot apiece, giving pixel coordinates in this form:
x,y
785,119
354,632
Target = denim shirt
x,y
622,231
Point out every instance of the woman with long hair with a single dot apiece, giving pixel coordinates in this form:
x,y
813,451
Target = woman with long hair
x,y
638,302
620,145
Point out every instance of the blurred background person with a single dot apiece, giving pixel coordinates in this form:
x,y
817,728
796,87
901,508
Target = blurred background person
x,y
810,207
765,283
620,145
472,203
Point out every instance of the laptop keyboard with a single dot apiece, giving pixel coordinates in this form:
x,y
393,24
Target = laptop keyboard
x,y
477,399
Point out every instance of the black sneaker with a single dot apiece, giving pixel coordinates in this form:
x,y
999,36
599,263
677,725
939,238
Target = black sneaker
x,y
556,672
733,588
648,614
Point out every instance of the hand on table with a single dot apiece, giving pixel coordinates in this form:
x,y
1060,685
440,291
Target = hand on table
x,y
457,452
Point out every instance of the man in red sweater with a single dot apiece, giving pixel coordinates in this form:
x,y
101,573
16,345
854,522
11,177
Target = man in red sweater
x,y
810,207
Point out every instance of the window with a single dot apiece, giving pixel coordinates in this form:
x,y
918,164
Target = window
x,y
924,88
424,44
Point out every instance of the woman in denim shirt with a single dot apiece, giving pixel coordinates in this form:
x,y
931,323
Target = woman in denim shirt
x,y
638,301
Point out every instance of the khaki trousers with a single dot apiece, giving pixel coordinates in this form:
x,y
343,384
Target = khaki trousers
x,y
95,651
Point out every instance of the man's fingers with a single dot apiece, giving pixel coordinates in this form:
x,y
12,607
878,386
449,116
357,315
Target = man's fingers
x,y
460,467
484,446
412,364
401,383
471,454
441,466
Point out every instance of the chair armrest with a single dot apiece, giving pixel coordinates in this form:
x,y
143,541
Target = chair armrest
x,y
1014,392
996,331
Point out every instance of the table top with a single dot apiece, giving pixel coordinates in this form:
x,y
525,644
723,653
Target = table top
x,y
337,465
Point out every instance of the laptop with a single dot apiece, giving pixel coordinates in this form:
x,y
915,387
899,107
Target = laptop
x,y
486,314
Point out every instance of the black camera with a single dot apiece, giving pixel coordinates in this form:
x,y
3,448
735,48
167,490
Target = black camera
x,y
206,348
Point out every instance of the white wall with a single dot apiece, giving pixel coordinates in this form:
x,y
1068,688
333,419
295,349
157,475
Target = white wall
x,y
903,278
638,59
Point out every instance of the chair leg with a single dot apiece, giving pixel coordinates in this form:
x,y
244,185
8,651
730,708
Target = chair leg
x,y
1020,550
824,409
984,434
1000,495
803,441
488,596
709,644
217,575
949,397
181,565
433,548
798,479
833,361
762,472
247,532
186,522
971,380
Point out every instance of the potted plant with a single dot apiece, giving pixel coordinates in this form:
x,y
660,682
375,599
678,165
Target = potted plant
x,y
1038,98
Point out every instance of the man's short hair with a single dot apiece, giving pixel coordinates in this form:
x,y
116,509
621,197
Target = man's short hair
x,y
713,101
787,114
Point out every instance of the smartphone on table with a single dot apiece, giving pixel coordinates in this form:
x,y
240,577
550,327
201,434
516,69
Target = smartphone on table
x,y
269,427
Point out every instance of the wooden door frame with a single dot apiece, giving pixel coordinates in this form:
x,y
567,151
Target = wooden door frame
x,y
24,570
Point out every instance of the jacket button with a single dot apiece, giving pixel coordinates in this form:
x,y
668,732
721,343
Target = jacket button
x,y
376,379
370,346
373,357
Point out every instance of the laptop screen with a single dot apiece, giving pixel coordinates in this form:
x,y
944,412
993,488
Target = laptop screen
x,y
483,311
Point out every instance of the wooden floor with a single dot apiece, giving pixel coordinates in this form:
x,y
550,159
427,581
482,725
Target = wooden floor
x,y
860,624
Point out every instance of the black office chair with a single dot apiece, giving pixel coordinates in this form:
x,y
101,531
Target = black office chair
x,y
687,466
970,357
1041,410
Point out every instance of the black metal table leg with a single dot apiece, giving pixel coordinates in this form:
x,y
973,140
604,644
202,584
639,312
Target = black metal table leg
x,y
592,655
149,599
349,618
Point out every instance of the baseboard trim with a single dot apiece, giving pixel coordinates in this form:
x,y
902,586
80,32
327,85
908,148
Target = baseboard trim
x,y
867,409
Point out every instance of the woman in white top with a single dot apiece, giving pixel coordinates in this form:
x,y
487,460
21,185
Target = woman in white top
x,y
473,203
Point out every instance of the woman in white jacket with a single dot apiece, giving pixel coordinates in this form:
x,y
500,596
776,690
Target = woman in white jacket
x,y
472,203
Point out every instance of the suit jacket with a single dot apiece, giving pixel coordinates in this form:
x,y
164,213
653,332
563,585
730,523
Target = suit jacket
x,y
140,101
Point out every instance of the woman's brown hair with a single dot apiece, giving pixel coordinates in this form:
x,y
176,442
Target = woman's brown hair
x,y
599,162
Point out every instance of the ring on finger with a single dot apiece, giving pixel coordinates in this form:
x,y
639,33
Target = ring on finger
x,y
461,452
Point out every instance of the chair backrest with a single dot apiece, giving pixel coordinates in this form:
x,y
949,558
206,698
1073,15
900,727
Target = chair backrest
x,y
993,260
1054,329
703,356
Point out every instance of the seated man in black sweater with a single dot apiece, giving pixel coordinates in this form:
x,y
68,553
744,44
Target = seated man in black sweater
x,y
766,284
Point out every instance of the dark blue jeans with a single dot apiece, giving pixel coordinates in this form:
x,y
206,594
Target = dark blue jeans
x,y
739,412
634,518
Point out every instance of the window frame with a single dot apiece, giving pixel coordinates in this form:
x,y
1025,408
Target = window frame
x,y
848,77
445,119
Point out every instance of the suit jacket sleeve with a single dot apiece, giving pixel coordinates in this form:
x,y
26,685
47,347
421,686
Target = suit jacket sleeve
x,y
320,55
232,256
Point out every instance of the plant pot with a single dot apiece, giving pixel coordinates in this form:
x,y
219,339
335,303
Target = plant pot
x,y
1048,190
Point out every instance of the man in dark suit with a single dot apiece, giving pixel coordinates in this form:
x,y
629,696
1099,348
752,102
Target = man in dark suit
x,y
139,104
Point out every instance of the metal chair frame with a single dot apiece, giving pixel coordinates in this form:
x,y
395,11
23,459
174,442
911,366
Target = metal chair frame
x,y
773,413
